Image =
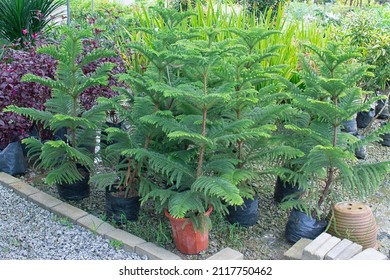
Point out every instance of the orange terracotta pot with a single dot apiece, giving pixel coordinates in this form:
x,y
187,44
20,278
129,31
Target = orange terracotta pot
x,y
187,240
354,221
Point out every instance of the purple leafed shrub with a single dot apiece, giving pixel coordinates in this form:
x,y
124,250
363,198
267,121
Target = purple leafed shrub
x,y
14,64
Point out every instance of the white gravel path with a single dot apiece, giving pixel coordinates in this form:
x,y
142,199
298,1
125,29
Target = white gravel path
x,y
30,232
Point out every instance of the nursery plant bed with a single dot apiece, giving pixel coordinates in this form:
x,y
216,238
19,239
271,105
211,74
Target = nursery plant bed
x,y
265,240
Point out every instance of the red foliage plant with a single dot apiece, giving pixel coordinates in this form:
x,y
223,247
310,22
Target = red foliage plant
x,y
16,63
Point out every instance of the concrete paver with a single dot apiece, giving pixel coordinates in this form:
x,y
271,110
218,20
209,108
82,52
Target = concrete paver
x,y
227,254
295,252
369,254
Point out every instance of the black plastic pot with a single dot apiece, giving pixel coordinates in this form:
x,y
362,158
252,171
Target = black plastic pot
x,y
364,118
350,126
361,153
385,138
76,191
284,189
103,139
385,113
12,160
60,134
300,225
245,215
121,209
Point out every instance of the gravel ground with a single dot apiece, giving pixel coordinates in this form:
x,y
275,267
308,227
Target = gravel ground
x,y
30,232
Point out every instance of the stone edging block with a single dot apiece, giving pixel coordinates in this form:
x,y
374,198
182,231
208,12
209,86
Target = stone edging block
x,y
295,252
95,224
155,252
44,200
350,251
227,254
329,247
129,240
68,211
309,252
369,254
23,189
8,179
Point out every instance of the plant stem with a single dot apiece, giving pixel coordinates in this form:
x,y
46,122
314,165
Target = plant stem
x,y
73,132
203,146
199,169
331,170
328,183
239,143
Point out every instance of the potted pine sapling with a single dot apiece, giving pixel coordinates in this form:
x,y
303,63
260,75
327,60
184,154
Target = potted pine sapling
x,y
328,170
122,202
122,182
248,130
68,161
265,108
120,178
188,179
139,99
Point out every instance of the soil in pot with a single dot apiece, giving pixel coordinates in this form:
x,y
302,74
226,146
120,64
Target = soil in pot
x,y
246,214
364,118
284,190
187,240
76,191
300,225
121,208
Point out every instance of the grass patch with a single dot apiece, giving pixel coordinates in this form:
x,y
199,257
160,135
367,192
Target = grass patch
x,y
63,221
117,244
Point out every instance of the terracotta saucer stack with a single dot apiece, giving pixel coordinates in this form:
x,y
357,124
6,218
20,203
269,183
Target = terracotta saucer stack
x,y
354,221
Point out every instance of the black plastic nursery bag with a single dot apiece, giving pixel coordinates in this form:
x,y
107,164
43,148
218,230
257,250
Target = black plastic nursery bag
x,y
300,225
12,160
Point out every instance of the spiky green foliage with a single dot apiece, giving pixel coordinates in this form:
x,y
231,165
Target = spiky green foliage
x,y
200,90
216,111
252,112
24,19
329,96
64,110
138,105
179,105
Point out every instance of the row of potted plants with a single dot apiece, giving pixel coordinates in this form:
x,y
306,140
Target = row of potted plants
x,y
202,124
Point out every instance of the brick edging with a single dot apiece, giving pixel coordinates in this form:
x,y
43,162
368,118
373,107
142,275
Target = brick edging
x,y
328,247
131,243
